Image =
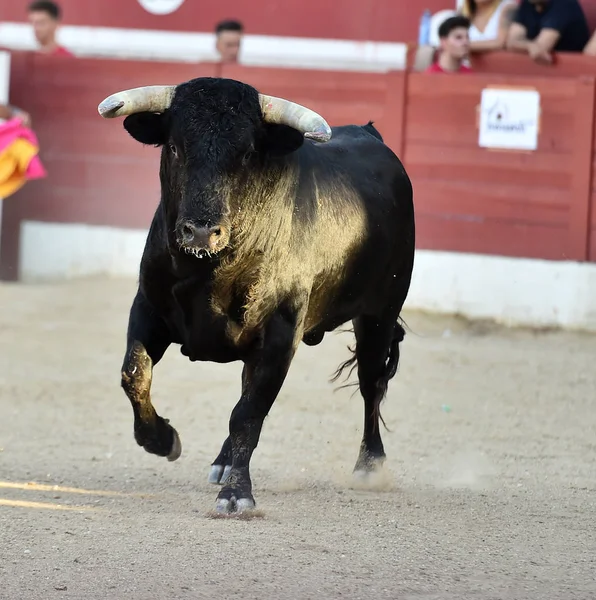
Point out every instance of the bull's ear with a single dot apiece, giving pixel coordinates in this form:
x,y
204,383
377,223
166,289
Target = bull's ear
x,y
147,128
279,140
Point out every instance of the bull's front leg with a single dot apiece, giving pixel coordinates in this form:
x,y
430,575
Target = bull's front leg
x,y
147,341
263,377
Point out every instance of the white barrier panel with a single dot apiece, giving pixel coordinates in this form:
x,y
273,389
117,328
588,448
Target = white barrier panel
x,y
65,251
511,291
4,76
4,95
262,50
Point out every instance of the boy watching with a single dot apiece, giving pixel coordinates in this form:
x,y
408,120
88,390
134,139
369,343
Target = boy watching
x,y
228,39
44,16
454,46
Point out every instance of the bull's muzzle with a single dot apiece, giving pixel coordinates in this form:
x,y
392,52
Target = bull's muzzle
x,y
201,240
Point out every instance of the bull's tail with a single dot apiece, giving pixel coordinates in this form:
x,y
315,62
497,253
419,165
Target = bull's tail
x,y
389,371
372,130
391,365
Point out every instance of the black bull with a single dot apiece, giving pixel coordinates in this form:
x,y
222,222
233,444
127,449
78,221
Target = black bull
x,y
272,228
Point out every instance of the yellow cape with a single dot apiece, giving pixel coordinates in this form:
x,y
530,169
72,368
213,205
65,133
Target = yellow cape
x,y
14,161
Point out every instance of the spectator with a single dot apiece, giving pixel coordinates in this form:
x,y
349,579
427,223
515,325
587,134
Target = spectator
x,y
12,112
489,23
543,26
454,46
229,36
44,16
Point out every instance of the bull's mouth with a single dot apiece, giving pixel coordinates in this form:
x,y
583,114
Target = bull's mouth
x,y
199,252
201,242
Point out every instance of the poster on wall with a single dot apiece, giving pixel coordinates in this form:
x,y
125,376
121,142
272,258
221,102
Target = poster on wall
x,y
509,118
161,7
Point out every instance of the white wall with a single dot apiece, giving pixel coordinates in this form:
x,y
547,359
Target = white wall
x,y
261,50
4,96
511,291
4,76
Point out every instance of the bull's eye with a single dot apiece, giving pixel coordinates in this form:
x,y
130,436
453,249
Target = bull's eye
x,y
173,149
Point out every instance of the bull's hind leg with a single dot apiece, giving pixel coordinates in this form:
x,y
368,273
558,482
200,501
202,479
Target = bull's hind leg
x,y
147,341
377,355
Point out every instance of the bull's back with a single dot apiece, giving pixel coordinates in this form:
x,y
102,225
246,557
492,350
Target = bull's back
x,y
365,192
358,161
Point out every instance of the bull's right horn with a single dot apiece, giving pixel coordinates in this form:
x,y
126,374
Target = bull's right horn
x,y
151,98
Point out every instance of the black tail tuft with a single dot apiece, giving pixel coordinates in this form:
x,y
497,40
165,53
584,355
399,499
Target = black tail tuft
x,y
391,365
390,370
372,130
351,362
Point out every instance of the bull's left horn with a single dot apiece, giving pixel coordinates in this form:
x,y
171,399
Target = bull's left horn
x,y
284,112
151,98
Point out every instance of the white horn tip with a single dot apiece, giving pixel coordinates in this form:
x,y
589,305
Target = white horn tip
x,y
321,134
109,107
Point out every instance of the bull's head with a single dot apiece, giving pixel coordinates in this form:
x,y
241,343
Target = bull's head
x,y
211,132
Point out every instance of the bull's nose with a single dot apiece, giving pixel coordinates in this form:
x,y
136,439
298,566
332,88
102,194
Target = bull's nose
x,y
195,236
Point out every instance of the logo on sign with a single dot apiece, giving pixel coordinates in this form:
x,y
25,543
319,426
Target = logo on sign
x,y
499,119
161,7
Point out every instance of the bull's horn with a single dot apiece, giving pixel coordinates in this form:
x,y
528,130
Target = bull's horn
x,y
152,98
284,112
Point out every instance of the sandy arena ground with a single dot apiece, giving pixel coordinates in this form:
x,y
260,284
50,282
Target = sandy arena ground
x,y
489,489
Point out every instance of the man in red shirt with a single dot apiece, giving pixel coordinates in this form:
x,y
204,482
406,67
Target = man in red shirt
x,y
44,16
455,46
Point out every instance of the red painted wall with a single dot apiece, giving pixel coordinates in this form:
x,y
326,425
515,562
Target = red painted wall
x,y
468,199
376,20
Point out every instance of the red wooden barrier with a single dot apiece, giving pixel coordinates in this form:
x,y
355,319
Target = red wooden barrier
x,y
97,174
342,97
509,203
566,64
540,204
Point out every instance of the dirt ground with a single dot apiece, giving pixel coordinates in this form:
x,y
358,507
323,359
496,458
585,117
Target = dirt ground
x,y
489,490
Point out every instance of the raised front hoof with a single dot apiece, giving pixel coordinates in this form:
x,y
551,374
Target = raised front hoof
x,y
368,464
219,474
162,439
176,450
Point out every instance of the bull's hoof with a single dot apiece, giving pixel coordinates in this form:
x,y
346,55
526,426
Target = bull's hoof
x,y
367,464
236,498
233,505
176,450
219,474
159,438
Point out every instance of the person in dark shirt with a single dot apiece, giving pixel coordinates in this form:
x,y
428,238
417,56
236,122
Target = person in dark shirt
x,y
543,26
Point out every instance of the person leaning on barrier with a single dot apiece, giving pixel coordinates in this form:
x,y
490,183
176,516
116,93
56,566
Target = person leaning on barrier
x,y
543,26
12,112
489,23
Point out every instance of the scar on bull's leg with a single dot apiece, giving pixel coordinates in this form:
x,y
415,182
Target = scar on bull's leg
x,y
152,432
